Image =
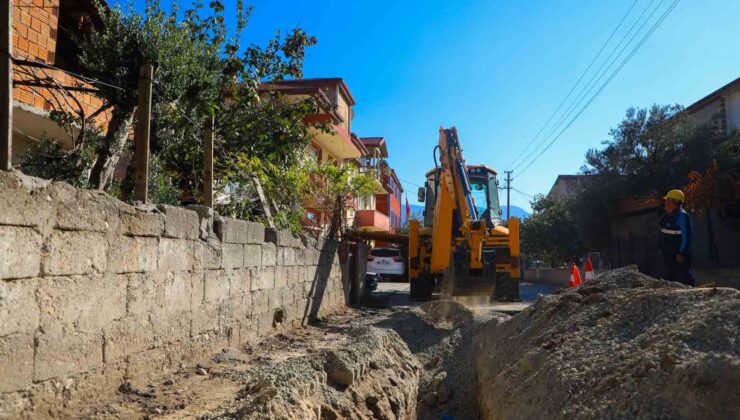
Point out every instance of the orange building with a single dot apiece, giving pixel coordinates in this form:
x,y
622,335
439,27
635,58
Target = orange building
x,y
45,55
387,210
338,146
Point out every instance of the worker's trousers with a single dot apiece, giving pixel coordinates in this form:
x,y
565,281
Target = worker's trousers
x,y
678,271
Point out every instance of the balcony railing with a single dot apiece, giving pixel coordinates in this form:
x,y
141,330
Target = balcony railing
x,y
372,221
376,168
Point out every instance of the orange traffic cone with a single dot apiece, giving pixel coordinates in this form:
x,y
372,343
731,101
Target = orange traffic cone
x,y
589,270
575,277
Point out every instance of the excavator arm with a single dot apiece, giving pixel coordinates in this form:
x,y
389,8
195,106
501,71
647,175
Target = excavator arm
x,y
455,193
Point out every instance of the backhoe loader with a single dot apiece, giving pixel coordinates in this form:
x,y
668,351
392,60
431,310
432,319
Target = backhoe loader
x,y
462,248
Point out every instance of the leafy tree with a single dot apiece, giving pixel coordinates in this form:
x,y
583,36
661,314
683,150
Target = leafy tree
x,y
187,55
727,192
266,141
334,189
652,150
550,233
48,159
197,59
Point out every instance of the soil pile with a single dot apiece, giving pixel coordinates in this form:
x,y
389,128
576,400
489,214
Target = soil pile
x,y
373,376
624,345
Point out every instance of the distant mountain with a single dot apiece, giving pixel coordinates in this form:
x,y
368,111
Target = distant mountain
x,y
417,212
516,211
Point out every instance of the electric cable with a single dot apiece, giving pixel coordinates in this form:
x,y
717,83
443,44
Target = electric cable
x,y
606,83
572,89
598,76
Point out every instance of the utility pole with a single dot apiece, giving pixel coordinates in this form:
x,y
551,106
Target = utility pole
x,y
508,193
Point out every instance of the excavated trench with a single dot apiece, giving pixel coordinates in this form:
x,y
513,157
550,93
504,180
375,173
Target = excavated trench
x,y
622,346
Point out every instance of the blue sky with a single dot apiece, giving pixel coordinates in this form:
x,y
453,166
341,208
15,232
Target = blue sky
x,y
498,69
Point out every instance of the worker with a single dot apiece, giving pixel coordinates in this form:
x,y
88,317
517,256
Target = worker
x,y
676,235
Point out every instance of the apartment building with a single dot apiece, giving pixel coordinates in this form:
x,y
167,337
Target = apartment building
x,y
386,214
336,102
339,146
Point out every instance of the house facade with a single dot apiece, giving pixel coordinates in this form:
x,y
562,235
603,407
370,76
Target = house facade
x,y
45,69
720,109
564,186
338,146
388,201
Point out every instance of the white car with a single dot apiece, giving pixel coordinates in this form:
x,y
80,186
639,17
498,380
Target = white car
x,y
386,262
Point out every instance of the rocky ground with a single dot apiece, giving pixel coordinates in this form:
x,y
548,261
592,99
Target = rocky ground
x,y
622,346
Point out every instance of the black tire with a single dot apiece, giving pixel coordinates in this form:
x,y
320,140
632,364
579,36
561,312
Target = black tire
x,y
421,288
507,288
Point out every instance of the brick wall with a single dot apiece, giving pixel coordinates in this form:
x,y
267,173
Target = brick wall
x,y
93,290
35,31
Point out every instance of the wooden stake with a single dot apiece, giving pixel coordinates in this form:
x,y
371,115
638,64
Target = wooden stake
x,y
208,163
263,202
141,137
6,78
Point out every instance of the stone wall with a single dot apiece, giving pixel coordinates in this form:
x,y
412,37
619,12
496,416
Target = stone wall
x,y
93,290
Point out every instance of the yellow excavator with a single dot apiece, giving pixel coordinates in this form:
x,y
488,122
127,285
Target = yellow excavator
x,y
463,247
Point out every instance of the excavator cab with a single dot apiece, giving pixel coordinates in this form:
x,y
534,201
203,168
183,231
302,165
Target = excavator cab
x,y
484,189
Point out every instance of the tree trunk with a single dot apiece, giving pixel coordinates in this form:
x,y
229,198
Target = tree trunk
x,y
110,152
336,219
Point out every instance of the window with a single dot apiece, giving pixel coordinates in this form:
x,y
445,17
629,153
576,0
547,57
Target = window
x,y
314,153
75,18
385,252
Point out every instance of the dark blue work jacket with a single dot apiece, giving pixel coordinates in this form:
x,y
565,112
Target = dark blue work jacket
x,y
676,233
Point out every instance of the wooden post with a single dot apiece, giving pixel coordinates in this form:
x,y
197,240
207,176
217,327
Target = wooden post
x,y
6,78
263,202
141,137
208,163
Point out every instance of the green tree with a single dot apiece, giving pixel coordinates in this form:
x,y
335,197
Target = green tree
x,y
197,60
333,190
652,150
550,233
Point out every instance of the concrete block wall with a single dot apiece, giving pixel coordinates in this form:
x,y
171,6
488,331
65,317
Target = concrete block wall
x,y
92,289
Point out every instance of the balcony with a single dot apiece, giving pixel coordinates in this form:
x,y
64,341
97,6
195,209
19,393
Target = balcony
x,y
338,142
372,221
378,170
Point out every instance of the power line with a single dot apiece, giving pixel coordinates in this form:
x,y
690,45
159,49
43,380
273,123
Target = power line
x,y
523,193
30,62
599,74
410,183
606,83
593,61
525,196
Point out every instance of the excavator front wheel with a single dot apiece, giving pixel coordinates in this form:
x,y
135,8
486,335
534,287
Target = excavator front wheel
x,y
507,288
422,287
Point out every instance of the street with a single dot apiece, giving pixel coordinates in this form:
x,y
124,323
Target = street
x,y
396,294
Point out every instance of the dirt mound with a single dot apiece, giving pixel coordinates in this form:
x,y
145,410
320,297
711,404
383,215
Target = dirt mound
x,y
373,376
622,346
